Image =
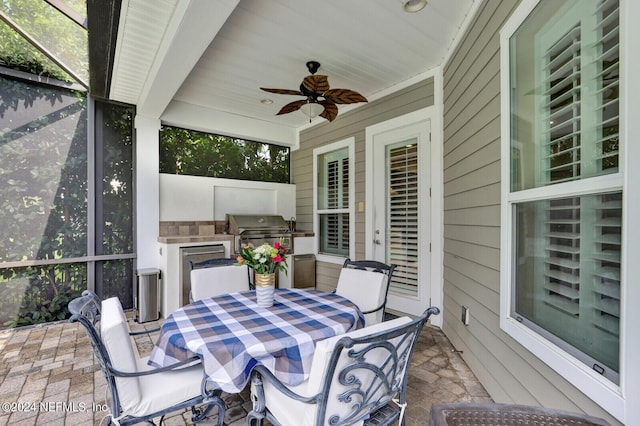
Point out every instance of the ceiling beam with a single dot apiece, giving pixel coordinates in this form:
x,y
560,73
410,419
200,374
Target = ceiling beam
x,y
192,29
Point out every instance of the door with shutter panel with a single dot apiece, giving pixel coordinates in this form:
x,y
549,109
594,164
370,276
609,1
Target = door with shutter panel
x,y
401,213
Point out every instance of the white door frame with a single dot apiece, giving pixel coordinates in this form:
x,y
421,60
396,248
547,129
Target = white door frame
x,y
431,114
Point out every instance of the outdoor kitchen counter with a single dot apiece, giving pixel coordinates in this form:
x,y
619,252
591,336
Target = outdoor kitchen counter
x,y
178,239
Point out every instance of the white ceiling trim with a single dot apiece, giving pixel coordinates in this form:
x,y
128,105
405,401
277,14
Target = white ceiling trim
x,y
468,19
191,30
140,32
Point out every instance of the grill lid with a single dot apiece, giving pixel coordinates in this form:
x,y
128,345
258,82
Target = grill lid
x,y
242,224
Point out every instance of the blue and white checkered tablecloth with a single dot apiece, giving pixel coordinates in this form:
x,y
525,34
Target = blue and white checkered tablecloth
x,y
231,334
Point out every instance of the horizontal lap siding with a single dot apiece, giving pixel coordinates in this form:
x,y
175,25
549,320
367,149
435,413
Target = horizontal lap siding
x,y
350,124
472,225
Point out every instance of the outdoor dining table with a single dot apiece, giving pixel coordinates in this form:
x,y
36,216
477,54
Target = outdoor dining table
x,y
231,334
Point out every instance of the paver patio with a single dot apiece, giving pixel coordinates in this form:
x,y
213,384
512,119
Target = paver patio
x,y
48,375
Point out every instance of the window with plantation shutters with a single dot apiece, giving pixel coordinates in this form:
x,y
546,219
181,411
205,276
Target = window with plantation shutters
x,y
402,216
332,201
565,140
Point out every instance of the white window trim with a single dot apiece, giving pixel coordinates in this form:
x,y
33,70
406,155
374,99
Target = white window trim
x,y
615,399
349,143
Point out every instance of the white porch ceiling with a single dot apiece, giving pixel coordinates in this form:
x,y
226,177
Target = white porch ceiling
x,y
215,55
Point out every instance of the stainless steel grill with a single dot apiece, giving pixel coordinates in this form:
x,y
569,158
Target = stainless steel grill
x,y
259,229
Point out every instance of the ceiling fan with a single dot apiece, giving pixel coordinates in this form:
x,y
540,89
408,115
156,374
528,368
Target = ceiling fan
x,y
318,96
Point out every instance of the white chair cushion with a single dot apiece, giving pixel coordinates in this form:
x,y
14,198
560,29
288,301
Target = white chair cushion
x,y
209,282
144,394
162,390
115,336
364,288
289,411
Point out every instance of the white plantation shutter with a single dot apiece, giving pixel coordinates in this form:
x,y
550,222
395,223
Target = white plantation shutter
x,y
333,201
606,78
577,275
344,217
562,260
402,216
561,109
332,234
606,255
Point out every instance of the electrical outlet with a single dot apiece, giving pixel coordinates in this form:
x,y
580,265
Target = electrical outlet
x,y
465,315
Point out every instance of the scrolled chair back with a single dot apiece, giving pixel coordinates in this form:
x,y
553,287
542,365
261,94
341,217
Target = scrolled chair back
x,y
354,379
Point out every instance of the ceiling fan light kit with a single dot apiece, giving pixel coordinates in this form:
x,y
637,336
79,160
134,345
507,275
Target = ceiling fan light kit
x,y
319,98
311,109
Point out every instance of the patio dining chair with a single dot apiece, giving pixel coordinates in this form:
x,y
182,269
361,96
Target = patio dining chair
x,y
366,283
217,276
140,393
358,378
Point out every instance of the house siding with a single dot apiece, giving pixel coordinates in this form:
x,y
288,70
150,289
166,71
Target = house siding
x,y
350,124
471,175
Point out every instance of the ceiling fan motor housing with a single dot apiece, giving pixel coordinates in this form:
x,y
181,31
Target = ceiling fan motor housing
x,y
313,66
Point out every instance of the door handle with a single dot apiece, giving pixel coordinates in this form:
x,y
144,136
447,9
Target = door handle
x,y
377,242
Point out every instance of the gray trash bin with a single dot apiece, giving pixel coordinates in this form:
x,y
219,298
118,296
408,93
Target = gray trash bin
x,y
146,297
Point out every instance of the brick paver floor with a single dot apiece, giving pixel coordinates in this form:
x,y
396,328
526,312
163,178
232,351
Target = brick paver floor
x,y
48,375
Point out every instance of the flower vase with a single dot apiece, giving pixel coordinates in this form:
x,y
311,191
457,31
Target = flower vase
x,y
265,287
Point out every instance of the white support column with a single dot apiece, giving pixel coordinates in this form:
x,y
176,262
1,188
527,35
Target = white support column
x,y
147,191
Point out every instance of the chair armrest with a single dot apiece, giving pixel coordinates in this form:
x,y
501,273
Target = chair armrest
x,y
118,373
261,373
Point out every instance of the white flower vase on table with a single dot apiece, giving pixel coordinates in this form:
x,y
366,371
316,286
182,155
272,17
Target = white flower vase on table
x,y
265,288
266,261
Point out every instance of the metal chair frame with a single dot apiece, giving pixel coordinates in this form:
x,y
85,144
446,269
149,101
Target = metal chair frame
x,y
86,310
375,266
363,397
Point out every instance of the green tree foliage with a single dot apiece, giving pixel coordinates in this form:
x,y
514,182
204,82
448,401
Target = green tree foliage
x,y
188,152
114,233
43,170
57,33
43,214
43,162
115,192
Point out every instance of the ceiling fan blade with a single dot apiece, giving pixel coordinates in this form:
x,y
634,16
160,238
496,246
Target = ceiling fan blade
x,y
316,83
344,96
292,106
283,91
330,110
